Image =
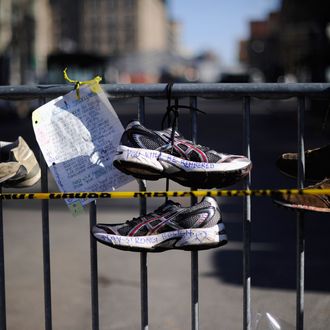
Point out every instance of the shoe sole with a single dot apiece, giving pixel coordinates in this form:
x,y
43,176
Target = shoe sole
x,y
153,165
302,207
184,239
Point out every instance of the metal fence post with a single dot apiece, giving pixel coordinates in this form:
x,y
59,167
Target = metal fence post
x,y
94,269
300,248
3,324
143,255
194,254
247,223
46,245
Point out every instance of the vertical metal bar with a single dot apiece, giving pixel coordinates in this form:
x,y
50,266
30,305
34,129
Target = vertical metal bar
x,y
144,290
247,223
194,291
3,322
92,222
193,113
45,240
94,269
300,247
194,254
143,255
45,245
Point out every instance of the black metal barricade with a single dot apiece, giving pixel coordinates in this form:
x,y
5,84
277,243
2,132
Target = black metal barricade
x,y
301,92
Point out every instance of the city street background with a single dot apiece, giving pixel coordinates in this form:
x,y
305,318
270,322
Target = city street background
x,y
163,41
273,132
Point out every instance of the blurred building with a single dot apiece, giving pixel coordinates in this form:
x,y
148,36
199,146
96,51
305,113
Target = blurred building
x,y
25,39
305,44
31,30
260,53
110,26
5,37
292,44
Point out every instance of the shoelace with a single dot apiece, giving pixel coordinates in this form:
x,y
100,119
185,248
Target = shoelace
x,y
173,110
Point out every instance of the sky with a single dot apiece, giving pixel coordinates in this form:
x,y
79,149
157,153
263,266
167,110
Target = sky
x,y
218,25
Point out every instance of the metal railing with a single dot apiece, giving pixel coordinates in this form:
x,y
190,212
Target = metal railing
x,y
193,92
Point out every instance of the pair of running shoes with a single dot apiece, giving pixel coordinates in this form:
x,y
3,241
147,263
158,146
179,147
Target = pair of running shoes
x,y
152,155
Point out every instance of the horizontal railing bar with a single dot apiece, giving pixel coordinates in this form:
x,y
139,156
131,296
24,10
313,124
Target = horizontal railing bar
x,y
209,90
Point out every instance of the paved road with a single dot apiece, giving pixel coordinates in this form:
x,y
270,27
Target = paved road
x,y
273,235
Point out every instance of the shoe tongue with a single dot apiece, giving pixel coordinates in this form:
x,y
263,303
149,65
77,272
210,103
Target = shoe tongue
x,y
133,123
170,205
168,133
210,200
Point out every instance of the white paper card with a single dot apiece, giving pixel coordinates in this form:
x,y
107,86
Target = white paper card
x,y
78,139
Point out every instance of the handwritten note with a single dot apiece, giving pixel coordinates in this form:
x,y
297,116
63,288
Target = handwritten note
x,y
78,139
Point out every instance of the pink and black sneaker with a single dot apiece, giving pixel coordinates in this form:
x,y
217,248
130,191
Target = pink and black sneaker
x,y
171,226
151,155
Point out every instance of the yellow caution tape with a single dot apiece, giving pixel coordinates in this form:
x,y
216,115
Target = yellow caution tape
x,y
94,83
144,194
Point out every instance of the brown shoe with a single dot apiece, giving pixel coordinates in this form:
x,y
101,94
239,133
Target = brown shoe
x,y
317,164
317,203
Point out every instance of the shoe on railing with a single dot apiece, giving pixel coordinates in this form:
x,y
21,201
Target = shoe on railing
x,y
171,226
18,165
151,155
317,164
317,203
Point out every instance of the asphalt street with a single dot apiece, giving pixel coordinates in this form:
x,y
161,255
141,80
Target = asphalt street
x,y
273,250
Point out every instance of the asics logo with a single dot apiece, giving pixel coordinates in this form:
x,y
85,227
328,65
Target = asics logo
x,y
166,219
147,223
185,148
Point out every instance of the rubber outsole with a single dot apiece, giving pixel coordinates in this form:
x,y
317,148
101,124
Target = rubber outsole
x,y
301,207
158,249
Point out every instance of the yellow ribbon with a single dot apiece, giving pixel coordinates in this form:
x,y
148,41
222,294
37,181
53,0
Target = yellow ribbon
x,y
77,83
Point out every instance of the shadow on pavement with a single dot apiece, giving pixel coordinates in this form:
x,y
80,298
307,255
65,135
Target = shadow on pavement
x,y
273,249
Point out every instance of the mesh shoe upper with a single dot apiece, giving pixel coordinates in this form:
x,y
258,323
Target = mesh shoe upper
x,y
138,136
152,155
